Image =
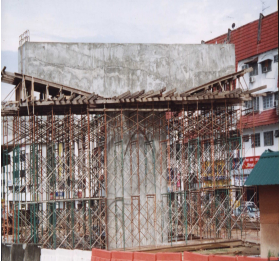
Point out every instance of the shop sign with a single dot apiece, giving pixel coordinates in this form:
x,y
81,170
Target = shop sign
x,y
250,162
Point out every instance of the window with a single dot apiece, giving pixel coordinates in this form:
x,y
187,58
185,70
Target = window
x,y
268,138
255,69
276,100
276,58
276,134
256,140
255,102
245,138
266,66
245,66
268,101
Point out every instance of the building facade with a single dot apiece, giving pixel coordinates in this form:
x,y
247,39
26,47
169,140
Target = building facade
x,y
256,46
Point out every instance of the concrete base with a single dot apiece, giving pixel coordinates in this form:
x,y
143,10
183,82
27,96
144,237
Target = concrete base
x,y
5,252
269,239
32,253
17,252
20,252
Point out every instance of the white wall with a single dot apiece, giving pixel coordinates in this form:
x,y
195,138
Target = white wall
x,y
269,78
65,254
249,151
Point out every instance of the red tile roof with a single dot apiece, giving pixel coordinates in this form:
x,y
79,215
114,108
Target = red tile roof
x,y
259,119
245,38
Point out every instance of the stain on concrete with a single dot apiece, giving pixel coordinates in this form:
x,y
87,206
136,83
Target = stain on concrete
x,y
111,69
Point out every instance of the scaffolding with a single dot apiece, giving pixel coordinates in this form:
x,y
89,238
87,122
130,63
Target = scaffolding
x,y
138,170
125,179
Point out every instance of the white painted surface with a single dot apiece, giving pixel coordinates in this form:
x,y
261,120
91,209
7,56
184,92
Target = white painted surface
x,y
65,255
269,78
249,151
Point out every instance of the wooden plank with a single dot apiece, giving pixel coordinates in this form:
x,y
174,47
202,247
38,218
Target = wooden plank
x,y
39,82
75,100
44,103
90,96
255,89
60,97
47,92
154,94
124,95
224,78
81,100
146,94
137,94
91,101
169,92
258,94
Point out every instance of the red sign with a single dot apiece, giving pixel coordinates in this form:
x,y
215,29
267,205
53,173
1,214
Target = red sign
x,y
250,162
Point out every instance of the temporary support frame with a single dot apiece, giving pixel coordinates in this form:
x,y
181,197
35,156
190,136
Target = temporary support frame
x,y
126,179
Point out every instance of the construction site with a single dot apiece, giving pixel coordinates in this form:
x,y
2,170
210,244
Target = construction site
x,y
147,169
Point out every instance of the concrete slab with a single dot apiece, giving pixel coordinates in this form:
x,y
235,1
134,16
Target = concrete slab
x,y
112,69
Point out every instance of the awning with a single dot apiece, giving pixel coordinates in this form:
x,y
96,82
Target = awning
x,y
266,171
254,60
265,58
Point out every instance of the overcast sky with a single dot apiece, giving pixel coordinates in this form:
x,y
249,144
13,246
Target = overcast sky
x,y
120,21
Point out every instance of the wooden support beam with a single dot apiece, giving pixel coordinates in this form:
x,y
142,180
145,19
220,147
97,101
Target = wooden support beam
x,y
124,95
154,94
81,100
137,94
75,100
256,89
146,94
90,96
169,93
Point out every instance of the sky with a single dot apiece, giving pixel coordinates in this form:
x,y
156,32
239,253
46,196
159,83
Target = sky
x,y
120,21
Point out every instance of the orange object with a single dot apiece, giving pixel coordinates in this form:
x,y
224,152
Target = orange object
x,y
100,255
121,256
222,258
193,256
169,256
138,256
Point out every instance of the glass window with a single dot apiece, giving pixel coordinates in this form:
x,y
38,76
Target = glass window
x,y
256,139
276,99
249,104
268,101
268,138
276,58
255,69
266,66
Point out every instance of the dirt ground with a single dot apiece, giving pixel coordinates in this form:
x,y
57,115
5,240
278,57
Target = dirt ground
x,y
248,249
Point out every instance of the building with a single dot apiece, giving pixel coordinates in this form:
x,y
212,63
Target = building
x,y
256,46
265,175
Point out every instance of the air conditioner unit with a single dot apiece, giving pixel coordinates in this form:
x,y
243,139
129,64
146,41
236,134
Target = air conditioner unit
x,y
264,69
252,79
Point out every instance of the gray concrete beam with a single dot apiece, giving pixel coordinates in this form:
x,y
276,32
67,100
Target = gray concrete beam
x,y
112,69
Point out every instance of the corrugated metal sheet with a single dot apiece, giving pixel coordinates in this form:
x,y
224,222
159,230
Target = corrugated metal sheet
x,y
266,171
267,117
